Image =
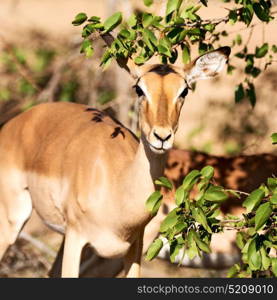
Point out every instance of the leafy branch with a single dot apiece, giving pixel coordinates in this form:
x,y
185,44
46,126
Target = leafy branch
x,y
192,223
145,35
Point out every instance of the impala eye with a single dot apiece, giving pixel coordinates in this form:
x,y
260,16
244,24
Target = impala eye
x,y
139,91
184,93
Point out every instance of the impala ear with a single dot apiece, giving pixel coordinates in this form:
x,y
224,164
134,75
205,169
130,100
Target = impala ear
x,y
208,65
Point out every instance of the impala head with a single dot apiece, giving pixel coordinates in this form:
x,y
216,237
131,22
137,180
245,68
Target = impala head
x,y
162,89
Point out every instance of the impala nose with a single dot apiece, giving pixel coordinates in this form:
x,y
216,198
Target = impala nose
x,y
162,138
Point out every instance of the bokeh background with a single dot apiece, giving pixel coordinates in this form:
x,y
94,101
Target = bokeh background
x,y
40,61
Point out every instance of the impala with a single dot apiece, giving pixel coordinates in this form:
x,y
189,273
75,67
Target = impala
x,y
85,174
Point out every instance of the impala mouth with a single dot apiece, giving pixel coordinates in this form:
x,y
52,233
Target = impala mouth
x,y
160,150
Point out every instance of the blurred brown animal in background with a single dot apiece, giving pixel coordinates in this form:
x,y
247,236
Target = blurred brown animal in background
x,y
242,172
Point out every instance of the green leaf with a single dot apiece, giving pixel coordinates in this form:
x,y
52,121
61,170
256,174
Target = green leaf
x,y
273,199
274,138
151,37
98,26
175,246
106,58
170,221
272,183
201,244
113,21
263,213
132,21
128,34
156,22
251,230
194,31
94,19
154,249
79,19
209,27
89,51
240,240
207,172
185,54
148,2
238,39
163,181
147,36
262,51
255,72
215,194
202,48
246,14
190,179
87,48
179,195
180,227
176,35
253,200
139,60
234,193
254,255
153,202
164,50
239,93
265,258
164,47
246,246
233,16
172,5
260,12
147,19
274,265
202,186
200,217
87,30
233,271
192,250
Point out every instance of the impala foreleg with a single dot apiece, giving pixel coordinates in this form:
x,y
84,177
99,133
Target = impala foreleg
x,y
73,246
132,260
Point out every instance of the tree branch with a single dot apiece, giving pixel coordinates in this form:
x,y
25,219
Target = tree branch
x,y
124,63
203,22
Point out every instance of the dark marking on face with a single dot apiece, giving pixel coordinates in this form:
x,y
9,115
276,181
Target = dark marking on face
x,y
117,131
162,69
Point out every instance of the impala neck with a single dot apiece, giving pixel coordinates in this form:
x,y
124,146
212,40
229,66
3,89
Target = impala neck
x,y
155,162
146,167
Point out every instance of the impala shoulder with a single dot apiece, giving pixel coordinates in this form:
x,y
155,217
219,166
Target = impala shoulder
x,y
114,127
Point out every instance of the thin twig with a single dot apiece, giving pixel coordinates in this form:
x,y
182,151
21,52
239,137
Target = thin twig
x,y
231,221
202,22
239,192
